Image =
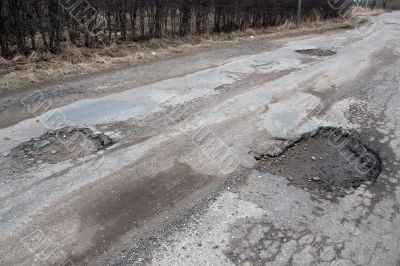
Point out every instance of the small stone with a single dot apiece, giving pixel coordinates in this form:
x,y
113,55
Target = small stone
x,y
105,140
316,178
340,193
274,151
258,156
54,152
43,143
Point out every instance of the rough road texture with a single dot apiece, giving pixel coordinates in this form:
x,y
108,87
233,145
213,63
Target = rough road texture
x,y
181,185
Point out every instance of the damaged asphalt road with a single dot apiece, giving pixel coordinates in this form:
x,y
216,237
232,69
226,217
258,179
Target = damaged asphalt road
x,y
212,167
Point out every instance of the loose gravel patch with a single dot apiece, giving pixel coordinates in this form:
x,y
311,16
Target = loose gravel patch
x,y
61,145
329,160
317,52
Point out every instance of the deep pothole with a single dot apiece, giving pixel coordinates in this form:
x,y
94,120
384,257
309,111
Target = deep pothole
x,y
329,160
60,145
317,52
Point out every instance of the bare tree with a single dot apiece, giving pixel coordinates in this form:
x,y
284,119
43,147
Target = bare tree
x,y
23,22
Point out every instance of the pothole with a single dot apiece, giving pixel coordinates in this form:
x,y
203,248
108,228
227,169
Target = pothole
x,y
61,145
317,52
329,160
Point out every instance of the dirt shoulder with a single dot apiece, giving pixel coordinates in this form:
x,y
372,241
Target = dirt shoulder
x,y
87,73
25,72
63,88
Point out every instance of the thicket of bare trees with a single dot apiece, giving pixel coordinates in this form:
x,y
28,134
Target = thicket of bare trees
x,y
27,25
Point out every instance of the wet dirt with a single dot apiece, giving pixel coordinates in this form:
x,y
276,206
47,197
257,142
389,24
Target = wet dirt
x,y
316,52
58,146
330,160
131,204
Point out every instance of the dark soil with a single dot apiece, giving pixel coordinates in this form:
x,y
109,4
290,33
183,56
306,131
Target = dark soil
x,y
136,203
317,52
60,145
329,160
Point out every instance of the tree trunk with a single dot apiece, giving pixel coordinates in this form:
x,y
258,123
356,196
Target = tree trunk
x,y
133,16
158,19
185,17
141,19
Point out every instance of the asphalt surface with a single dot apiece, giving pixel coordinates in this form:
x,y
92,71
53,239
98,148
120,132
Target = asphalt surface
x,y
179,184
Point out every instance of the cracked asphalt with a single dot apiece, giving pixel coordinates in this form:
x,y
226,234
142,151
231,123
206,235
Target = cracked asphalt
x,y
180,184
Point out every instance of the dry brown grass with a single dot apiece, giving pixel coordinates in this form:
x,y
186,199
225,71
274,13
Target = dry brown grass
x,y
25,71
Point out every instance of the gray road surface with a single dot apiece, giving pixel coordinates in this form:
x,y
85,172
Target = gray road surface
x,y
180,186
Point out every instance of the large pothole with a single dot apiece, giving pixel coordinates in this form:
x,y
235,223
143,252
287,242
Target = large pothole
x,y
317,52
61,145
328,160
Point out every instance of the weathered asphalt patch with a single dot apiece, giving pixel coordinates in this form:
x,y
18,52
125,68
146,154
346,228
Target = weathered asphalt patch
x,y
329,160
317,52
